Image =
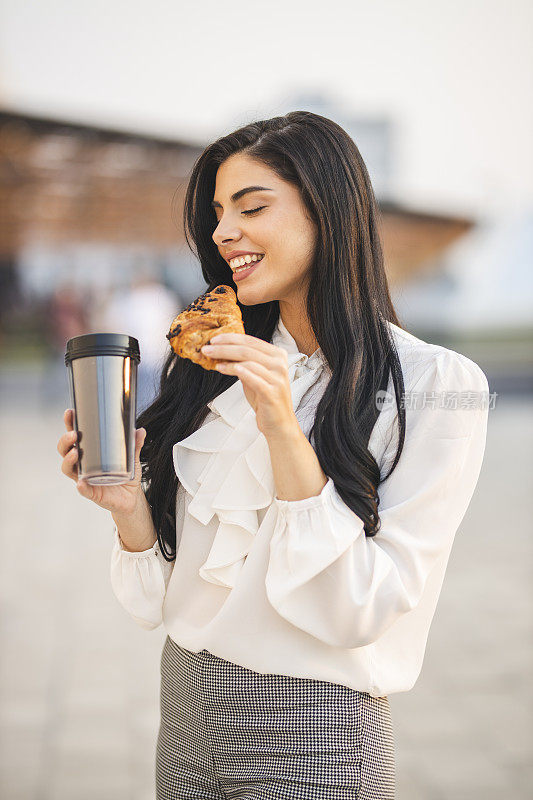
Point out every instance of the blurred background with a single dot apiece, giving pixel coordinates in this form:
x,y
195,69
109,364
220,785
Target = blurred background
x,y
103,110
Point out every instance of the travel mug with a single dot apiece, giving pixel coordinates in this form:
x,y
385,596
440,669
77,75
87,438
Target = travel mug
x,y
102,377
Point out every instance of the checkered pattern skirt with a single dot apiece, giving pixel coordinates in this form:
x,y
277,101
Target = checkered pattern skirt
x,y
229,732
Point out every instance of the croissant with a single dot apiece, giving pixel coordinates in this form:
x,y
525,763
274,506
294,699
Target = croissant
x,y
211,313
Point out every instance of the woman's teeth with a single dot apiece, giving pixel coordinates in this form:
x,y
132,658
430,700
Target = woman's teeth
x,y
242,262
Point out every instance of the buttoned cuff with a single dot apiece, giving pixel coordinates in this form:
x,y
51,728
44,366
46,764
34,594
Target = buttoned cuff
x,y
135,553
288,506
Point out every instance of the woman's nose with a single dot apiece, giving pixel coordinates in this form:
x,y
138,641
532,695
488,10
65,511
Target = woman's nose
x,y
222,235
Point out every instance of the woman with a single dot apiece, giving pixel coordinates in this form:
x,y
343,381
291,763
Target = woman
x,y
296,510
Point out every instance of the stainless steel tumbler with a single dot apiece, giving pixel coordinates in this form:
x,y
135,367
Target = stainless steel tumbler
x,y
102,377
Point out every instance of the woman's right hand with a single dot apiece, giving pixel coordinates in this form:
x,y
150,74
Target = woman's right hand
x,y
121,498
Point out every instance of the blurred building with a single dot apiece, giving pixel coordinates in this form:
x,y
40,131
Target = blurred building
x,y
64,182
484,281
87,207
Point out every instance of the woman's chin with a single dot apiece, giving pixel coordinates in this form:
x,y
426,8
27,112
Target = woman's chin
x,y
247,286
254,290
249,298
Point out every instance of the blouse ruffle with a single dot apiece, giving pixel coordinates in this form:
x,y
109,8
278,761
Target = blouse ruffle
x,y
225,466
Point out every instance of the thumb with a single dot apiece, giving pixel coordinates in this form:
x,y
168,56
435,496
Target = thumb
x,y
140,436
85,489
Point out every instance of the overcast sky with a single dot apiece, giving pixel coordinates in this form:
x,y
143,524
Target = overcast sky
x,y
454,76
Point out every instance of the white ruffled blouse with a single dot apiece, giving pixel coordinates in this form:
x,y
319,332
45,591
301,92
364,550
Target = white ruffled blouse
x,y
294,587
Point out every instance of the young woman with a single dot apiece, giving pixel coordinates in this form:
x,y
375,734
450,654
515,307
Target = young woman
x,y
297,506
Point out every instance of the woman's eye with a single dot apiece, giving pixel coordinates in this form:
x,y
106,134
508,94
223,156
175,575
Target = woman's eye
x,y
253,210
248,212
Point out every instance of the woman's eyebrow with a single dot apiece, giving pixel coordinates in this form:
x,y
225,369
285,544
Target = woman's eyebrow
x,y
241,192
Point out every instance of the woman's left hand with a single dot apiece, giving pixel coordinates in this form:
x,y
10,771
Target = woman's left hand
x,y
263,371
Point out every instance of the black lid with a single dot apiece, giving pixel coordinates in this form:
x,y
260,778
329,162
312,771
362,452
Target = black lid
x,y
102,344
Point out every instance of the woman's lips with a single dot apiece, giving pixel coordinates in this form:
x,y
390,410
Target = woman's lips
x,y
243,273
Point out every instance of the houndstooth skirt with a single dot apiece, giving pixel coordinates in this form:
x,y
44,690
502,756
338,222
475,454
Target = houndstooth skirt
x,y
228,732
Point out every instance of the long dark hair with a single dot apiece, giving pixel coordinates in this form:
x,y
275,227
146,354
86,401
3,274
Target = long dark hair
x,y
348,304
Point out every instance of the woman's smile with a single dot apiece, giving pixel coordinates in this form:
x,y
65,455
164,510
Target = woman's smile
x,y
242,272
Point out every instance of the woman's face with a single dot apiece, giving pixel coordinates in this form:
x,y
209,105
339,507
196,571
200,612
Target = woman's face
x,y
281,229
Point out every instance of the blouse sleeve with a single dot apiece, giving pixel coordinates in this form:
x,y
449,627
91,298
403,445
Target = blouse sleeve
x,y
328,578
139,581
